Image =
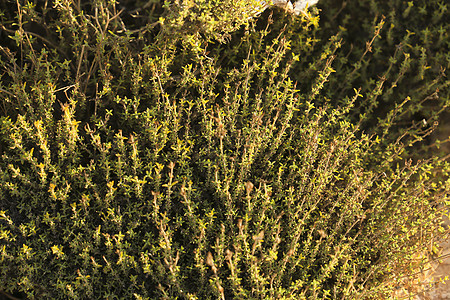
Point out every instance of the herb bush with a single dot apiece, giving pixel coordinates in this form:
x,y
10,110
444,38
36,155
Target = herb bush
x,y
209,150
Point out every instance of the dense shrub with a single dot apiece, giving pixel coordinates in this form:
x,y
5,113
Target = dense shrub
x,y
156,150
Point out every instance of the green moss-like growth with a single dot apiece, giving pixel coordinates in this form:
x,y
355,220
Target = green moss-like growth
x,y
186,151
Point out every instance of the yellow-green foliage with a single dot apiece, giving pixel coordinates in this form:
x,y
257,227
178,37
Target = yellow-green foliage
x,y
211,18
182,150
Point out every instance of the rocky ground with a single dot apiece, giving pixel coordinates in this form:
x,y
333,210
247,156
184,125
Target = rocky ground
x,y
440,291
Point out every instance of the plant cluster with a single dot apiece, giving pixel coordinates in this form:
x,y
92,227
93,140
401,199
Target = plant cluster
x,y
202,150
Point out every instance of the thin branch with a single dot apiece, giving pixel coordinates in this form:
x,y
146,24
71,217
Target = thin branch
x,y
8,296
9,93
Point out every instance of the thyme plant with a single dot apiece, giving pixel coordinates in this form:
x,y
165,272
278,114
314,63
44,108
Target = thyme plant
x,y
195,150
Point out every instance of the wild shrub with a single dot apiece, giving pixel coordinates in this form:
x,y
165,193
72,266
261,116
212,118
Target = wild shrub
x,y
202,151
